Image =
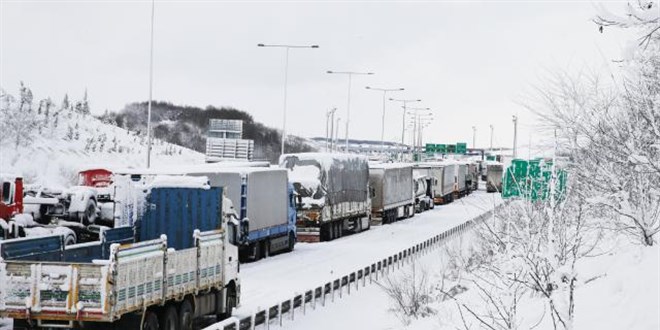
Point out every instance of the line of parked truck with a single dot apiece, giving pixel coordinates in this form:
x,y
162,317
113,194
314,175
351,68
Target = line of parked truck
x,y
162,247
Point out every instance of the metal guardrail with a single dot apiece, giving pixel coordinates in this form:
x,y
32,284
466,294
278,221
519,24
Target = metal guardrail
x,y
319,295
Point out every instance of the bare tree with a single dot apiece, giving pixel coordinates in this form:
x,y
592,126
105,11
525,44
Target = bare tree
x,y
410,293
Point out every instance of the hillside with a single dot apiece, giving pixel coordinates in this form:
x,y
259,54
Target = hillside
x,y
48,143
187,126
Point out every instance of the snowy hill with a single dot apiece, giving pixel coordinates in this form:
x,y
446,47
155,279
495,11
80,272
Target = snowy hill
x,y
48,144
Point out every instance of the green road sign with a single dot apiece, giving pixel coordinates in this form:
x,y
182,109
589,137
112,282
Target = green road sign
x,y
461,148
531,180
441,148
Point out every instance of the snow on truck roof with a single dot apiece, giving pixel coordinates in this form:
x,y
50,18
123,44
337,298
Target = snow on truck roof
x,y
324,159
389,165
195,168
177,181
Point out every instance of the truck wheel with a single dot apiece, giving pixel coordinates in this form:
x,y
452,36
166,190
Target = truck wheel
x,y
266,248
186,315
69,240
21,324
169,318
150,321
230,304
292,242
90,214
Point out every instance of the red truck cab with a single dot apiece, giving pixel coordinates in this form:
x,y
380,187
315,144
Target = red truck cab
x,y
11,197
97,177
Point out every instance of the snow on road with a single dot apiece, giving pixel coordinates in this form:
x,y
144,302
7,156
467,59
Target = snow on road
x,y
276,279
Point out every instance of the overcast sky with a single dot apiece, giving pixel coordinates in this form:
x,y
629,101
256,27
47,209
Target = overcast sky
x,y
468,61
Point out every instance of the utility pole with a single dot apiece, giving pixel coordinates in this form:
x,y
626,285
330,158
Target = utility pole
x,y
515,136
328,114
348,103
151,84
286,79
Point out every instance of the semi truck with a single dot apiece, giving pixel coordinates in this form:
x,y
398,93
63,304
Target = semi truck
x,y
264,204
332,194
40,213
423,193
429,174
443,180
392,192
178,262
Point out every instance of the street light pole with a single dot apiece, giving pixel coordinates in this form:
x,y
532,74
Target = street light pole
x,y
403,126
286,78
330,113
474,137
348,105
382,129
337,134
515,136
491,137
151,84
416,126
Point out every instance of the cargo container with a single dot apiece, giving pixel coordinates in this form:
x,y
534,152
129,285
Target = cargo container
x,y
332,194
178,263
264,204
442,180
392,192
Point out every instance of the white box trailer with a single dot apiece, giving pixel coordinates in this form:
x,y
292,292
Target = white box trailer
x,y
263,202
392,192
444,180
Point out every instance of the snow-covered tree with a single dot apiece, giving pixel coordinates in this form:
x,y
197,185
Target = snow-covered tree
x,y
17,120
65,102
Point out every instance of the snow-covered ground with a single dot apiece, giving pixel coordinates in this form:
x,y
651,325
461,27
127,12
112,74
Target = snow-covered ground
x,y
620,290
278,278
79,141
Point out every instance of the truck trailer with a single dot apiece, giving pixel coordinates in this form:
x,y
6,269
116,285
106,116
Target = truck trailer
x,y
177,263
263,202
332,194
392,192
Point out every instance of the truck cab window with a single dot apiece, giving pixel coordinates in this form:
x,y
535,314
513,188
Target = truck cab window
x,y
6,193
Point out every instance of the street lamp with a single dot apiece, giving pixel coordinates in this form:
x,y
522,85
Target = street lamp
x,y
416,118
403,128
348,106
515,136
474,137
337,133
286,76
491,138
382,129
329,117
151,84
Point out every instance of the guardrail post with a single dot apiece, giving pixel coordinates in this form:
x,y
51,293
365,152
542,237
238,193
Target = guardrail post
x,y
252,326
267,318
279,314
292,307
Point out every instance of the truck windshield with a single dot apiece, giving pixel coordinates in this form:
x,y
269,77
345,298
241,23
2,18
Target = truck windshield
x,y
6,192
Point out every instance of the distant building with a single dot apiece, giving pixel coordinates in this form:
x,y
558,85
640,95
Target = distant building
x,y
224,141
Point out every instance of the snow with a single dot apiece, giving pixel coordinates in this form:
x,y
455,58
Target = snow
x,y
325,160
176,181
618,290
53,160
277,278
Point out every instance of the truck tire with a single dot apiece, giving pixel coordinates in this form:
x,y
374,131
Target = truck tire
x,y
266,248
150,321
69,240
186,315
230,304
21,324
168,318
90,214
292,242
